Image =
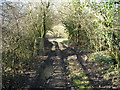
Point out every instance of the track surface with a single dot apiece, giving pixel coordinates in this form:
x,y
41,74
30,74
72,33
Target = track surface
x,y
66,67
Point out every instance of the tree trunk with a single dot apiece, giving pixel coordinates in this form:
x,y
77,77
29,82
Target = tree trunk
x,y
39,46
44,24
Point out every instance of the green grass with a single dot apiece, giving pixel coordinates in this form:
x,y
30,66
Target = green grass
x,y
101,56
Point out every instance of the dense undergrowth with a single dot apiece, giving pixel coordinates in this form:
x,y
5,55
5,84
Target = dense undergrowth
x,y
94,26
22,26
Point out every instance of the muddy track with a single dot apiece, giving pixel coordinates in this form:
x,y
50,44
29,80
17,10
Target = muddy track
x,y
58,76
52,73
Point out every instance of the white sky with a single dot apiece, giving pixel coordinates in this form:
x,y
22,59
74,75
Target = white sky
x,y
25,1
57,0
